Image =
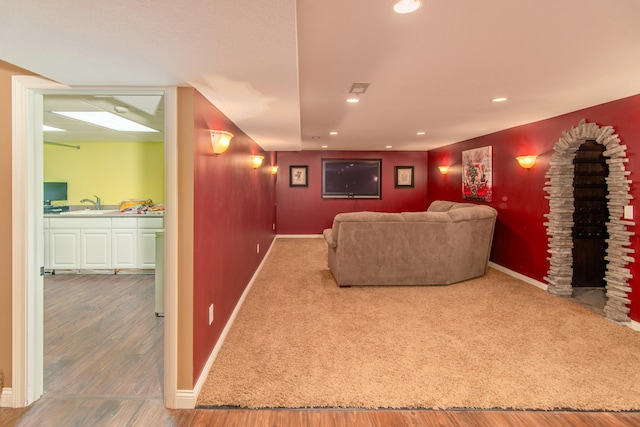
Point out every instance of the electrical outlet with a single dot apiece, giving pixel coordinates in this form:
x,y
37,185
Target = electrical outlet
x,y
274,226
210,314
258,248
628,212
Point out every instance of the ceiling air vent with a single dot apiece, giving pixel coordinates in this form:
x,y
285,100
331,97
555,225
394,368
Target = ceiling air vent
x,y
359,88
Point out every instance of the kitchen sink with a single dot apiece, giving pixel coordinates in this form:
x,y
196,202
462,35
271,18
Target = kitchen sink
x,y
89,212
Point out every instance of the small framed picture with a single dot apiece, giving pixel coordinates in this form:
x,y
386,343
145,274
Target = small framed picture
x,y
298,176
404,176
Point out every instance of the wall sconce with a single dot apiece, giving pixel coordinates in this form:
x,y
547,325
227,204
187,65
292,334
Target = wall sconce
x,y
256,161
220,140
526,162
274,170
443,169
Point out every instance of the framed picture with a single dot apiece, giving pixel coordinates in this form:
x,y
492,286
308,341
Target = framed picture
x,y
404,176
298,176
476,174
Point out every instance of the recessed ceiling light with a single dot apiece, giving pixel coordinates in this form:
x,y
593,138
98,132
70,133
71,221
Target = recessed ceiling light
x,y
499,99
352,100
421,132
406,6
106,120
325,146
46,128
333,133
389,146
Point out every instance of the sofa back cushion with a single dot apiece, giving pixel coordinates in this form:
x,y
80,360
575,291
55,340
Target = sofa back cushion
x,y
364,216
446,206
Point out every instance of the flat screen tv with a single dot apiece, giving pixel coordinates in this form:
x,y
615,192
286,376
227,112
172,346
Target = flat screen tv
x,y
351,178
54,192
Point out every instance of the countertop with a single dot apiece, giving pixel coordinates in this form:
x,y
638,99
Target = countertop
x,y
105,214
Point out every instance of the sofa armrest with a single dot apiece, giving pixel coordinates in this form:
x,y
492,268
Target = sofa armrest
x,y
328,236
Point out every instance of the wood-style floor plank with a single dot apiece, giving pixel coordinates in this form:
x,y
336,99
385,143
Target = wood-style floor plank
x,y
102,336
103,367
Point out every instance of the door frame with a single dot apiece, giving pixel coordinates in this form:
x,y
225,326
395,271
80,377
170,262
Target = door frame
x,y
27,235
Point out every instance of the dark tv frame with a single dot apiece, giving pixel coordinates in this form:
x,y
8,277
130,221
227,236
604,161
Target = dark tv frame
x,y
344,194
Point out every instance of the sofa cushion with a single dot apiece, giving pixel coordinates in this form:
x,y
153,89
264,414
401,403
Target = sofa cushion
x,y
363,216
446,206
425,216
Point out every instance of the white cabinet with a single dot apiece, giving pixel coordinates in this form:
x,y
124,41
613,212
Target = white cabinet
x,y
64,249
95,249
124,242
147,228
100,243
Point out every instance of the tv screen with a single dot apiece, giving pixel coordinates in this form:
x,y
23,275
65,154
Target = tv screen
x,y
54,191
351,179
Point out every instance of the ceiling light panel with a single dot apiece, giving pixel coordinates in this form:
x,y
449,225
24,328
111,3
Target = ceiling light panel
x,y
106,120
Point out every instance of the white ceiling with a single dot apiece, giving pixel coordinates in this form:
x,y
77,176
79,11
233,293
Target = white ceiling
x,y
281,69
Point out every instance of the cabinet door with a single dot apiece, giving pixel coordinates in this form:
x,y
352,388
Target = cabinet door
x,y
95,246
147,248
124,248
64,249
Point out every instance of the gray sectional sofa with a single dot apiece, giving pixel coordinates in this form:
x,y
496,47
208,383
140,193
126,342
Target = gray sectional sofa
x,y
448,243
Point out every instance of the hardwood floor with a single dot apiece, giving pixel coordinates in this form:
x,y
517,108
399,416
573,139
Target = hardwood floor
x,y
103,367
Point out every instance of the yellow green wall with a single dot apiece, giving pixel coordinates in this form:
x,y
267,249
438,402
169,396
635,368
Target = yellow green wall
x,y
114,171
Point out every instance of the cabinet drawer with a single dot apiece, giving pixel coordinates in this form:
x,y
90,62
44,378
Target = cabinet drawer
x,y
124,222
78,223
151,223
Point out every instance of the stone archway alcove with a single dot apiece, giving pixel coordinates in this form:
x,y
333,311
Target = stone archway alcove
x,y
560,217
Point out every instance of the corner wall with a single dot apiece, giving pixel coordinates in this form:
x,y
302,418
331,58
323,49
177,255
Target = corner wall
x,y
520,241
232,215
7,71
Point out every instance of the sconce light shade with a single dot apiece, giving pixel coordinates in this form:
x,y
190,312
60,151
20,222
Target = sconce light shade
x,y
443,169
220,140
274,170
256,161
526,162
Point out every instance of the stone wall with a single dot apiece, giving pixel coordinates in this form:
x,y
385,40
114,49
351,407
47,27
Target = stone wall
x,y
560,217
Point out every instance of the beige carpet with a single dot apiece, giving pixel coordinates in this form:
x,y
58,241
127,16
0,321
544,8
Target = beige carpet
x,y
494,342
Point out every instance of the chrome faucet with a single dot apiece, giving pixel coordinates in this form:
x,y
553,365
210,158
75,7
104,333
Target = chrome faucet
x,y
96,203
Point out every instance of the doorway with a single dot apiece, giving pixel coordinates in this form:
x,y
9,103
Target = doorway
x,y
99,261
590,216
27,237
560,219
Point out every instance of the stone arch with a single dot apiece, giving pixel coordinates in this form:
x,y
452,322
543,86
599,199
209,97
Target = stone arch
x,y
560,217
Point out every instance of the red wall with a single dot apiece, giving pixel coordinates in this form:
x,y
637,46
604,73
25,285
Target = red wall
x,y
520,241
233,213
302,210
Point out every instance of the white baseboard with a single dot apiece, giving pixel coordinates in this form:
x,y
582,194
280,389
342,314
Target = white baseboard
x,y
298,236
6,398
519,276
633,325
186,399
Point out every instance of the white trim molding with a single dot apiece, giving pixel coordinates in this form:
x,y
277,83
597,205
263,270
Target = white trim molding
x,y
519,276
6,398
26,352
